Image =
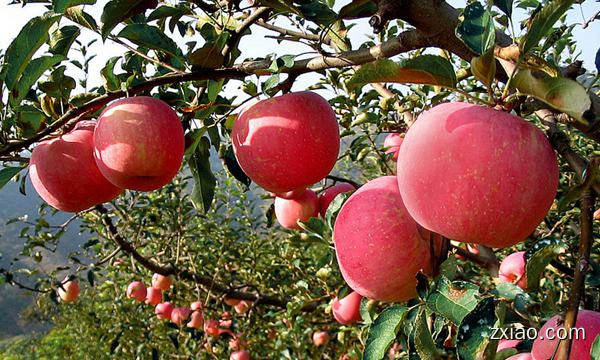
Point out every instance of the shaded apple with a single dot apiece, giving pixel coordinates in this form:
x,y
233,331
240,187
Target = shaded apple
x,y
302,208
327,196
512,269
69,290
164,310
240,355
180,314
197,320
320,338
136,290
211,328
347,310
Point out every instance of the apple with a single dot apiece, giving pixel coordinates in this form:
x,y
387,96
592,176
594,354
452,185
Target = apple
x,y
242,307
69,290
378,245
587,320
196,306
347,310
477,175
507,344
225,321
211,328
302,208
240,355
197,321
522,356
392,144
161,282
231,302
288,142
136,290
139,143
237,342
180,314
153,296
164,310
597,214
64,173
320,338
327,196
512,269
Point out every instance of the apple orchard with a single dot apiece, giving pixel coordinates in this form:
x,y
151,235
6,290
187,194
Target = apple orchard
x,y
424,187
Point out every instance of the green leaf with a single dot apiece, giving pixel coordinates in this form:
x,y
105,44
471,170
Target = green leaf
x,y
78,16
166,11
232,165
476,29
210,55
8,173
365,311
111,81
214,88
449,268
34,70
60,6
484,67
538,257
424,343
116,11
58,84
475,331
573,194
595,351
358,9
91,277
62,39
205,182
334,208
271,82
383,332
543,22
424,69
22,48
505,6
151,37
29,119
509,291
453,300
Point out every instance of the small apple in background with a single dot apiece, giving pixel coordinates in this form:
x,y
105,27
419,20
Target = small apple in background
x,y
161,282
153,296
240,355
139,143
211,328
392,144
288,142
64,173
522,356
197,321
136,290
69,290
394,350
164,310
196,306
347,310
507,344
320,338
597,214
512,269
242,307
327,196
180,315
302,208
225,321
231,302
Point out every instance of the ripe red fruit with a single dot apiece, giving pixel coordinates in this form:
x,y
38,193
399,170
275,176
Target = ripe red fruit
x,y
197,321
347,310
164,310
196,306
329,194
512,269
392,144
153,296
378,245
64,173
139,143
288,142
522,356
242,307
69,291
136,290
580,348
477,175
320,338
161,282
225,321
507,344
597,214
240,355
231,302
180,315
302,208
211,328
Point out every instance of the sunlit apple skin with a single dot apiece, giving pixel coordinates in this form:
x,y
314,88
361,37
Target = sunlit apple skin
x,y
522,356
512,269
580,349
197,320
139,143
161,282
64,173
378,245
320,338
180,315
302,208
136,290
69,290
347,310
240,355
392,144
163,311
288,142
327,196
475,174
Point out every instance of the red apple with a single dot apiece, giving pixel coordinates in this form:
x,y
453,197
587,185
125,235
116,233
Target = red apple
x,y
153,296
507,344
242,307
211,328
240,355
320,338
329,194
288,142
378,245
136,290
196,306
225,321
69,290
597,214
512,269
347,310
164,310
231,302
478,175
522,356
302,208
543,348
161,282
139,143
197,321
180,315
392,144
64,173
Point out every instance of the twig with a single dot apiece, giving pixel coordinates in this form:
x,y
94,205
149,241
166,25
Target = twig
x,y
341,179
